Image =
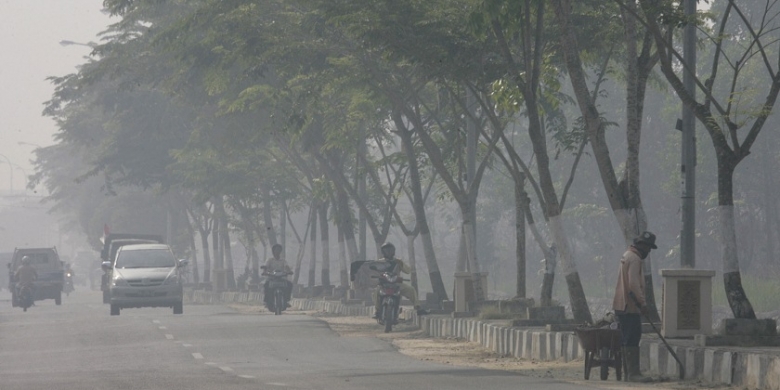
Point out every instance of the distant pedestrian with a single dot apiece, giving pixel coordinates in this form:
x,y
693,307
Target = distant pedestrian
x,y
629,301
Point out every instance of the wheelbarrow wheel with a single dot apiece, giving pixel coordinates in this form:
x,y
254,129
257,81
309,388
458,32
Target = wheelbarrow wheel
x,y
604,360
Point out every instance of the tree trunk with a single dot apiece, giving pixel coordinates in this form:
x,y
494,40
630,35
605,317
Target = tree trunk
x,y
267,218
194,249
632,219
230,276
283,225
579,305
732,278
471,256
550,261
324,238
313,258
421,219
345,216
217,248
204,243
344,270
521,203
302,248
412,262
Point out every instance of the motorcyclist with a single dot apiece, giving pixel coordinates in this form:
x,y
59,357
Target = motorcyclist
x,y
276,263
25,275
397,266
67,278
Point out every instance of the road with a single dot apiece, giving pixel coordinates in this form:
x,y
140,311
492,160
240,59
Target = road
x,y
79,346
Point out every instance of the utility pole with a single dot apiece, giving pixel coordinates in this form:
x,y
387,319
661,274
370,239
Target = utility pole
x,y
361,187
688,163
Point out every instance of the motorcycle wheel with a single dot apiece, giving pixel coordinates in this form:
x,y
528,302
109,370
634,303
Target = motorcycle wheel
x,y
278,302
58,299
26,300
387,315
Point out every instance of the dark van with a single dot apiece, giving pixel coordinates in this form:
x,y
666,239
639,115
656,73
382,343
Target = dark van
x,y
47,264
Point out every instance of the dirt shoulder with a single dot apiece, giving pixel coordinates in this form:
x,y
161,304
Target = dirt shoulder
x,y
458,352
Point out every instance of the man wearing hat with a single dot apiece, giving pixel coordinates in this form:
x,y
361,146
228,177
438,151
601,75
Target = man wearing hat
x,y
629,292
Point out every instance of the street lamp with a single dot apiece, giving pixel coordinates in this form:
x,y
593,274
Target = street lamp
x,y
29,144
89,44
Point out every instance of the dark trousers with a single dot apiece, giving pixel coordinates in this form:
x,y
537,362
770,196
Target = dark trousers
x,y
631,327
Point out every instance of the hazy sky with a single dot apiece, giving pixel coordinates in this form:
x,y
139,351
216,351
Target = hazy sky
x,y
30,32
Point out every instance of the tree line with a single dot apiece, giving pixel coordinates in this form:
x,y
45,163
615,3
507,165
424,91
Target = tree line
x,y
238,114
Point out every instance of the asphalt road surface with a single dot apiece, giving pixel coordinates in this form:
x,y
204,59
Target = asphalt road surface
x,y
78,345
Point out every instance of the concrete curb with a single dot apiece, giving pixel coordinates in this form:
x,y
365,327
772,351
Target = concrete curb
x,y
749,368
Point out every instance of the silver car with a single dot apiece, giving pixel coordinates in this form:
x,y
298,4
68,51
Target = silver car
x,y
146,275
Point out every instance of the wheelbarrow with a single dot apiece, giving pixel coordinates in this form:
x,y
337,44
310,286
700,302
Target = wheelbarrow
x,y
602,348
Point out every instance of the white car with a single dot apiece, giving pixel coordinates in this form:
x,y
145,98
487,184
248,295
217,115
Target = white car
x,y
146,275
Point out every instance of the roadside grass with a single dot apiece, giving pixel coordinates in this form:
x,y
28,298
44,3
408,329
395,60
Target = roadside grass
x,y
493,313
762,293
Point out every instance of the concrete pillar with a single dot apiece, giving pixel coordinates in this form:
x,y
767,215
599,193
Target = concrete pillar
x,y
687,302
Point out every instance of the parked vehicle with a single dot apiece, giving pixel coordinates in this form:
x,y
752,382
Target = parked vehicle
x,y
389,295
111,244
5,258
47,264
277,286
146,275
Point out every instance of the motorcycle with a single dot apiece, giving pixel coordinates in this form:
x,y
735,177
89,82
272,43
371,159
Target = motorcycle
x,y
67,287
277,287
24,296
389,297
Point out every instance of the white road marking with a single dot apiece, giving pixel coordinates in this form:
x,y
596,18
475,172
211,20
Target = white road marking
x,y
169,336
226,369
186,345
246,376
277,384
197,355
211,363
155,321
163,327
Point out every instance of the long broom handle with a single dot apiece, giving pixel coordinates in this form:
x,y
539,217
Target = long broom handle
x,y
669,347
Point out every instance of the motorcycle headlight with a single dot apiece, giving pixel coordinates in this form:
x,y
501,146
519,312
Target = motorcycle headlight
x,y
119,281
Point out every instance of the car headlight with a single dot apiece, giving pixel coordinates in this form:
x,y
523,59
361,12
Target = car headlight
x,y
119,281
173,279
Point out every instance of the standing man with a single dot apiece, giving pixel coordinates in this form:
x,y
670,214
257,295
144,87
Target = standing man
x,y
629,302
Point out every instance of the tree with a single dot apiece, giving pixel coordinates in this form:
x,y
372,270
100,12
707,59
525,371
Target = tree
x,y
733,108
623,195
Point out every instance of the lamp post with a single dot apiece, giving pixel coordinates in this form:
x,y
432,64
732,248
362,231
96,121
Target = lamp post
x,y
24,173
29,144
10,174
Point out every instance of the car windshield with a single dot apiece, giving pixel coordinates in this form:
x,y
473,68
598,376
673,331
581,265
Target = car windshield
x,y
145,258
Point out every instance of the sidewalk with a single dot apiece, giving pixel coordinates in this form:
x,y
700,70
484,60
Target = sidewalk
x,y
750,368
